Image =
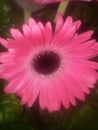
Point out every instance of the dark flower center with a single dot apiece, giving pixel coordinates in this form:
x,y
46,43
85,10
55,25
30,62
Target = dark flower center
x,y
46,62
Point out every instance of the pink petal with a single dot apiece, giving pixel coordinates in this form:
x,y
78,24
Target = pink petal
x,y
17,34
59,22
4,42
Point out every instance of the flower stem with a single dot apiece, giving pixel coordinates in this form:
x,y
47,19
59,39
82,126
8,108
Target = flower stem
x,y
63,6
27,15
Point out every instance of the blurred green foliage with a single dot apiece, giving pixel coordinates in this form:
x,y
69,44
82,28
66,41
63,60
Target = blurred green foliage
x,y
17,117
9,17
10,108
86,119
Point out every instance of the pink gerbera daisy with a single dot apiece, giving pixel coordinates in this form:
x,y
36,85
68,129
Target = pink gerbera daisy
x,y
53,67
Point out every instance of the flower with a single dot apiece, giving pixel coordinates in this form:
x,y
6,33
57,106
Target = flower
x,y
49,1
53,67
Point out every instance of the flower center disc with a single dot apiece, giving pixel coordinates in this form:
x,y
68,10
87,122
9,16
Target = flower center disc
x,y
46,62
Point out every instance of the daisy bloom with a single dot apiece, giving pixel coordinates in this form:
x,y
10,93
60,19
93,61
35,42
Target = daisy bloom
x,y
50,1
54,67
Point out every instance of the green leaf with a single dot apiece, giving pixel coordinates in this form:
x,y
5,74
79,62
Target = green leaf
x,y
10,108
86,119
16,126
